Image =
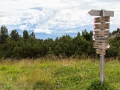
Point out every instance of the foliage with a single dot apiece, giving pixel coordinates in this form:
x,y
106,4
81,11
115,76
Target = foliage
x,y
14,35
25,34
27,46
114,49
116,31
3,34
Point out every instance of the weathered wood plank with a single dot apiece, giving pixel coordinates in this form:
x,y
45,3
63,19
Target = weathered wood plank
x,y
100,51
99,13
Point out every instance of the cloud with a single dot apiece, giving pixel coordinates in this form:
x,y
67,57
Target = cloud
x,y
67,19
54,16
37,8
23,27
42,31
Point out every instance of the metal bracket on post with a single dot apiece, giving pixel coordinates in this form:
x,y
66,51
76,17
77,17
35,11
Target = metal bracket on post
x,y
103,12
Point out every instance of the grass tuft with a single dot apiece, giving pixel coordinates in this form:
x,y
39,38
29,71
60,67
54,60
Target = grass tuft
x,y
96,85
42,85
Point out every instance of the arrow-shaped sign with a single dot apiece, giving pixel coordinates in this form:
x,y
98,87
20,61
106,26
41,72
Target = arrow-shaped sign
x,y
99,13
100,51
101,41
102,19
99,33
101,26
101,38
100,45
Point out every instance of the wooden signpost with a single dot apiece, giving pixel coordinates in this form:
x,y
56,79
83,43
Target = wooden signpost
x,y
104,41
100,45
101,35
100,51
102,19
102,26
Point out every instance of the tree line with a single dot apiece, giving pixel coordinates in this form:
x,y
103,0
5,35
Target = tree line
x,y
27,46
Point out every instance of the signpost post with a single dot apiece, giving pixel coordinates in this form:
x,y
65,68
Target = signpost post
x,y
101,35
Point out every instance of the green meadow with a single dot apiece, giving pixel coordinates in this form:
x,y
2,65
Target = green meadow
x,y
66,74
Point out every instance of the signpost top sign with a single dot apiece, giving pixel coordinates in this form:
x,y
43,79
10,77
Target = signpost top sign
x,y
99,13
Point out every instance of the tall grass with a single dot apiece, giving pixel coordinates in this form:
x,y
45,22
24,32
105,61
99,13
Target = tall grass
x,y
66,74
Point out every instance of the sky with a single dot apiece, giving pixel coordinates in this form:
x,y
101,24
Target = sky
x,y
55,17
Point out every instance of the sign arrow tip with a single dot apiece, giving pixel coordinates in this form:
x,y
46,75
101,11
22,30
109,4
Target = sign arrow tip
x,y
89,12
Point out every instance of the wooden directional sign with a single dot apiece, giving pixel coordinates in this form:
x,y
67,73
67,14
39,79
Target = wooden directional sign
x,y
100,45
102,26
99,33
99,13
100,51
101,38
102,19
101,41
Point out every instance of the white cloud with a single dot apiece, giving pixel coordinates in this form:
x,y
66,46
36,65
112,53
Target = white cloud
x,y
9,20
70,18
23,27
42,31
46,15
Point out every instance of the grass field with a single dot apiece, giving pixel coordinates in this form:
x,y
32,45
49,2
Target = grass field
x,y
67,74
